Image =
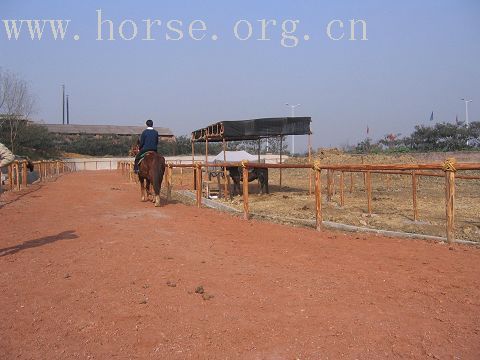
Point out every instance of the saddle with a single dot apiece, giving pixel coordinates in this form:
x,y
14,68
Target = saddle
x,y
143,156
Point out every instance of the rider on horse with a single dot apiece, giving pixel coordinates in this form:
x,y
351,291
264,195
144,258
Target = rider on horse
x,y
148,142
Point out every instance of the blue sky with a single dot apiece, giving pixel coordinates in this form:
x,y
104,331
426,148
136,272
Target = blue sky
x,y
420,56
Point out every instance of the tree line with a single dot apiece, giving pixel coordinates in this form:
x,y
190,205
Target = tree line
x,y
439,137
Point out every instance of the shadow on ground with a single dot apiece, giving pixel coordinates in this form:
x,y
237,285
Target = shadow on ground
x,y
65,235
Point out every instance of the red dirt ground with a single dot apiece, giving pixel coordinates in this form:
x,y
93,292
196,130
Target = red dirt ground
x,y
88,271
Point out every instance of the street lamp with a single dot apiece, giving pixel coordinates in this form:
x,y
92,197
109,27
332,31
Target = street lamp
x,y
292,108
466,110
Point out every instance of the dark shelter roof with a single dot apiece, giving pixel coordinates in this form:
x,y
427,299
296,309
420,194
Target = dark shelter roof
x,y
253,129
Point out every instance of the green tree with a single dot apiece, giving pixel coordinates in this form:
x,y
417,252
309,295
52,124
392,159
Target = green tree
x,y
32,140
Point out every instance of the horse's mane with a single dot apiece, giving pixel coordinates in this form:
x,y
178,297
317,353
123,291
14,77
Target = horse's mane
x,y
134,150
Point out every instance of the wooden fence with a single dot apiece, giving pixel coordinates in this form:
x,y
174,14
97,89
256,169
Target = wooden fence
x,y
448,170
18,172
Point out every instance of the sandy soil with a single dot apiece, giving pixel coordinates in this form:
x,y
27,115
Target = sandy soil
x,y
391,198
89,271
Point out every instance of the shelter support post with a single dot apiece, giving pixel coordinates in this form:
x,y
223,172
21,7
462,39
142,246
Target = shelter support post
x,y
310,173
259,144
225,174
206,156
259,148
193,164
281,153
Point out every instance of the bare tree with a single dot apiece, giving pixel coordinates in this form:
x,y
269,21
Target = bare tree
x,y
16,103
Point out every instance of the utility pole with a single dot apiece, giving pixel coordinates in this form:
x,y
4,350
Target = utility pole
x,y
63,104
292,108
68,113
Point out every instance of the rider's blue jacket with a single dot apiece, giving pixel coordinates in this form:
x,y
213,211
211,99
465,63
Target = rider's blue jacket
x,y
149,140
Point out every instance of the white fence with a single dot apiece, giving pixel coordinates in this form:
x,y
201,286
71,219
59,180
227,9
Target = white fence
x,y
94,164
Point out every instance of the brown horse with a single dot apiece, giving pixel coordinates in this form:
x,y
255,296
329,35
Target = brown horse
x,y
151,171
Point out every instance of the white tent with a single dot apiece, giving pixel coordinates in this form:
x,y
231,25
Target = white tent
x,y
235,156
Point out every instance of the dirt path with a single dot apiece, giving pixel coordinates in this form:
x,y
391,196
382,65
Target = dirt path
x,y
88,271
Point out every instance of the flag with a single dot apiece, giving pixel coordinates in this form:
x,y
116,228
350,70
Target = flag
x,y
368,130
431,117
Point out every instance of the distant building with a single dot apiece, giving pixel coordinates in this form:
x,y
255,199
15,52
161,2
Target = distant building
x,y
103,130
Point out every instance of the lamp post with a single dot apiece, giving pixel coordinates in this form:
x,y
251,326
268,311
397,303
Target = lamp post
x,y
292,108
466,110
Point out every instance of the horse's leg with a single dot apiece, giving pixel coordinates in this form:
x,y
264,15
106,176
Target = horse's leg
x,y
149,189
263,183
231,189
260,182
142,188
266,181
157,182
236,186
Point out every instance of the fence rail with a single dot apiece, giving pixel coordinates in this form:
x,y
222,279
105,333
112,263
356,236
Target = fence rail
x,y
18,172
448,170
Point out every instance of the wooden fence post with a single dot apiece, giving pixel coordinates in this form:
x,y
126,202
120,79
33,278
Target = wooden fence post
x,y
24,174
364,175
329,185
169,182
10,176
342,184
40,170
245,190
17,175
318,197
368,177
449,168
414,195
351,182
198,184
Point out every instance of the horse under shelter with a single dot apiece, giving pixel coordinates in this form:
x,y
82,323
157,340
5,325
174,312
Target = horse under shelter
x,y
254,129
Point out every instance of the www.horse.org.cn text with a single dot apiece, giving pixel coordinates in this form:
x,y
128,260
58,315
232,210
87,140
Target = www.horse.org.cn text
x,y
288,33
